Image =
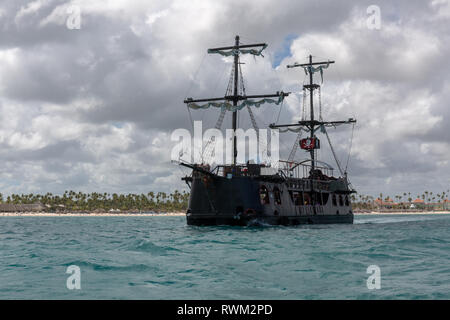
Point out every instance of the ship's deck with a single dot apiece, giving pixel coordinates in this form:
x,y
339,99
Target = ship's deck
x,y
297,175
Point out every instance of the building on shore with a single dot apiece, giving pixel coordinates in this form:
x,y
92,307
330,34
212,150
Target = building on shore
x,y
421,204
385,204
418,204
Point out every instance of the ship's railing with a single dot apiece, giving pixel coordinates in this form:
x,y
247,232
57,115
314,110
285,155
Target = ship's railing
x,y
297,175
306,184
249,169
286,169
303,169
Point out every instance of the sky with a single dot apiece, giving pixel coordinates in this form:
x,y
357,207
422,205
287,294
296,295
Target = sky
x,y
88,102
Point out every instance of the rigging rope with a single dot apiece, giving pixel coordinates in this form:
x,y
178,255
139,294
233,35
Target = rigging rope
x,y
242,79
210,145
332,150
295,147
320,105
190,87
254,123
195,75
279,112
260,143
350,148
304,104
229,91
299,130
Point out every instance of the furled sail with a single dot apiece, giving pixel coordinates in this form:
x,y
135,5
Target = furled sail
x,y
312,70
229,106
235,52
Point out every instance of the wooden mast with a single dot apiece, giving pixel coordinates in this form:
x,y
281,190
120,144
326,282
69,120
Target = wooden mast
x,y
235,100
236,97
311,101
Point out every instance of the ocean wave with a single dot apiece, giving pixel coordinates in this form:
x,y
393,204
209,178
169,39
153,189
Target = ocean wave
x,y
152,248
108,267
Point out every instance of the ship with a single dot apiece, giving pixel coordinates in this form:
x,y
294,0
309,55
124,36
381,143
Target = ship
x,y
295,192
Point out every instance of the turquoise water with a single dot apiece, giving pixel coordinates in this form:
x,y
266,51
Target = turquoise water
x,y
163,258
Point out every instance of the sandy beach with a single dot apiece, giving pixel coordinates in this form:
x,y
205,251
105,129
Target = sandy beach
x,y
401,213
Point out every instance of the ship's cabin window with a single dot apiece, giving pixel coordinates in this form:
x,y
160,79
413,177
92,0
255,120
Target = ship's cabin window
x,y
306,199
347,202
264,195
318,198
334,200
325,198
297,197
341,201
277,195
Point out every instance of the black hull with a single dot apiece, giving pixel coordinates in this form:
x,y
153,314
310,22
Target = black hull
x,y
255,221
237,202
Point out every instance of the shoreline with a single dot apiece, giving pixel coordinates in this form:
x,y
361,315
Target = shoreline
x,y
374,213
87,214
179,214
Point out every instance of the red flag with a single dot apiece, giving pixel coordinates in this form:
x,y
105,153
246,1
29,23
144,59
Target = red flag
x,y
309,143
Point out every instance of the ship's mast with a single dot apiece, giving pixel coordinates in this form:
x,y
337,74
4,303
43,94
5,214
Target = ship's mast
x,y
311,87
235,100
236,97
311,101
312,123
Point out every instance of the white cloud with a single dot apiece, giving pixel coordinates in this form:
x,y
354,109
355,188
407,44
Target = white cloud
x,y
30,9
151,18
442,7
